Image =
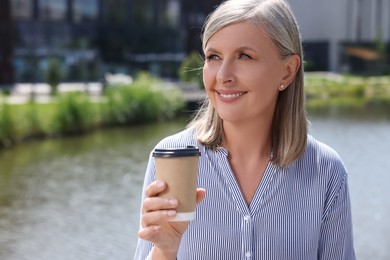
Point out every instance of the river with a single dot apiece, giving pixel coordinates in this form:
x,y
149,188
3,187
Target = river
x,y
78,197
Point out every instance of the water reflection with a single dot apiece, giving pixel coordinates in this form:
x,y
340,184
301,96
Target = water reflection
x,y
75,198
364,147
78,198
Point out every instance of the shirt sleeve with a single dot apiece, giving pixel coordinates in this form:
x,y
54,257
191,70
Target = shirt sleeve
x,y
336,239
144,247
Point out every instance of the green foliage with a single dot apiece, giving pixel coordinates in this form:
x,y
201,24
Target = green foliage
x,y
141,101
34,125
145,100
325,88
340,95
74,113
310,65
191,69
5,92
53,74
7,126
381,48
148,99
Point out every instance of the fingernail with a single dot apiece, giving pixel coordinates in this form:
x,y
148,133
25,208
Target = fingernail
x,y
171,213
160,184
172,202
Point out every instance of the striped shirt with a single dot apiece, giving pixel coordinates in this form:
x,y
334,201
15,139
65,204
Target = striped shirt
x,y
298,212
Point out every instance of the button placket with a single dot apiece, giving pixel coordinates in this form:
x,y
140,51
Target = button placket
x,y
247,227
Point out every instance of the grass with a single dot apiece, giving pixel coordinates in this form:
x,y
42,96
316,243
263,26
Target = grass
x,y
76,113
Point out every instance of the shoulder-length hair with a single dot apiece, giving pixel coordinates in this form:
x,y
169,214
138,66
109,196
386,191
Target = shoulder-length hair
x,y
289,126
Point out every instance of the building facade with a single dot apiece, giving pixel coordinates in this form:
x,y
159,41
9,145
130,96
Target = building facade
x,y
6,44
91,37
329,27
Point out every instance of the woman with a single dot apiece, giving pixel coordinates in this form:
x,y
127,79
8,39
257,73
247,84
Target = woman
x,y
273,191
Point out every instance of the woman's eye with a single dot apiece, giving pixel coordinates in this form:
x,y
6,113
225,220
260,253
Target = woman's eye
x,y
244,56
212,57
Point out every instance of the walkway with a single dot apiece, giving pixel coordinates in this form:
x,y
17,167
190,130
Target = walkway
x,y
22,92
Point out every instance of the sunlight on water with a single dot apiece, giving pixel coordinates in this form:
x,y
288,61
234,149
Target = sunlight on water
x,y
79,197
75,198
364,147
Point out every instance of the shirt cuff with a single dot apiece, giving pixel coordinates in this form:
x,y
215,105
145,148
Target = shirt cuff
x,y
149,257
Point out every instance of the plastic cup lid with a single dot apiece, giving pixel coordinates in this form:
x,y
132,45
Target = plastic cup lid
x,y
177,152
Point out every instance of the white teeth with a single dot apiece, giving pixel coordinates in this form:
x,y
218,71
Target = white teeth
x,y
231,95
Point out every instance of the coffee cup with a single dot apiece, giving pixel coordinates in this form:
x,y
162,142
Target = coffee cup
x,y
178,168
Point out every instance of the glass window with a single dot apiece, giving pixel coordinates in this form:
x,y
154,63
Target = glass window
x,y
85,10
171,15
143,13
115,11
52,9
22,9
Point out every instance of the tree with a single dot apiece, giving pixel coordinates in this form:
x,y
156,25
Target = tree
x,y
53,75
191,69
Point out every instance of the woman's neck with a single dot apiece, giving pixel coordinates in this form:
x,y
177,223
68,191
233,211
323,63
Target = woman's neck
x,y
252,139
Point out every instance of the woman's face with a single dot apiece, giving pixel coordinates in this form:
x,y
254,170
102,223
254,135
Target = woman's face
x,y
243,73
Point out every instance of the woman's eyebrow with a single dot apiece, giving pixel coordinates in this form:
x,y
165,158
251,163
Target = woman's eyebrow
x,y
246,48
211,50
241,48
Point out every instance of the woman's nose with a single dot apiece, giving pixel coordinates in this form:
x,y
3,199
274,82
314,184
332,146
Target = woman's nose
x,y
225,73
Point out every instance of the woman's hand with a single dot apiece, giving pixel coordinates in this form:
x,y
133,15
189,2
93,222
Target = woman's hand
x,y
156,228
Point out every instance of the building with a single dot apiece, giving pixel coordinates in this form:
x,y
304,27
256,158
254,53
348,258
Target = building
x,y
6,44
341,34
55,29
91,37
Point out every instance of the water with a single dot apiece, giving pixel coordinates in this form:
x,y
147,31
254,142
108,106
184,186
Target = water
x,y
75,198
365,149
78,198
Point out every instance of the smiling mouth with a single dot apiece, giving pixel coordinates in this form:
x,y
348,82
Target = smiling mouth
x,y
235,95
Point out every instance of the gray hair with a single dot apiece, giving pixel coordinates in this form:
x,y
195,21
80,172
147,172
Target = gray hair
x,y
289,127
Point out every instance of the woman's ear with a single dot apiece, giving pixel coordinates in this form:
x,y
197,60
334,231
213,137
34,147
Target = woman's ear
x,y
291,66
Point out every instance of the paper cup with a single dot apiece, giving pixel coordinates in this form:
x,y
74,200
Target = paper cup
x,y
178,168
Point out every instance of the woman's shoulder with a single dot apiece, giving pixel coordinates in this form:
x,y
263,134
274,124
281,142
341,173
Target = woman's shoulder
x,y
323,157
321,150
181,139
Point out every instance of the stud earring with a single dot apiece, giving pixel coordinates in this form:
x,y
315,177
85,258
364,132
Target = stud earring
x,y
281,87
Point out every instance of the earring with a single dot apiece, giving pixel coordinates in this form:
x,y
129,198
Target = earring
x,y
281,87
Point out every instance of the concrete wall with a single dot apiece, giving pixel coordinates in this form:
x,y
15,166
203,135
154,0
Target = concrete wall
x,y
337,21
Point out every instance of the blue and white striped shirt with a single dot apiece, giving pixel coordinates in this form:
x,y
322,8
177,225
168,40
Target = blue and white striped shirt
x,y
298,212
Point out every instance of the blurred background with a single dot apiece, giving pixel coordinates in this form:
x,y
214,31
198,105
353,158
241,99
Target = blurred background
x,y
91,37
88,87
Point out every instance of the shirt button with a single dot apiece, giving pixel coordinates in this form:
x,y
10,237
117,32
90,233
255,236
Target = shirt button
x,y
248,254
247,218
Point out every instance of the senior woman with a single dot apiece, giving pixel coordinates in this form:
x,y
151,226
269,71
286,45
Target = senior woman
x,y
273,191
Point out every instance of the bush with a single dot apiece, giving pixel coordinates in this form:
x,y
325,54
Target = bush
x,y
191,69
34,127
7,126
142,101
74,114
5,92
53,75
